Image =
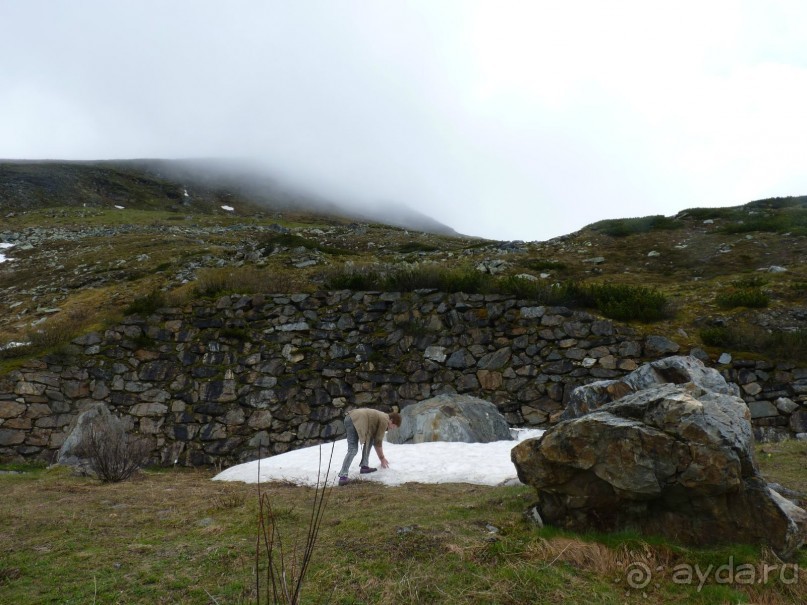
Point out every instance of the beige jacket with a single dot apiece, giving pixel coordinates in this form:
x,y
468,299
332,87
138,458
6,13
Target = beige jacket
x,y
370,425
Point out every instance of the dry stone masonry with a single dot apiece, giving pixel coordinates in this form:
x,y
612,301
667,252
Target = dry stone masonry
x,y
215,381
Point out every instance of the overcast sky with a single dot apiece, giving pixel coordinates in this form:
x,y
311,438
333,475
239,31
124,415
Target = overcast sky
x,y
507,120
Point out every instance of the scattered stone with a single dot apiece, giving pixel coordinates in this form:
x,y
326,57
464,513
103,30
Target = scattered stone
x,y
656,346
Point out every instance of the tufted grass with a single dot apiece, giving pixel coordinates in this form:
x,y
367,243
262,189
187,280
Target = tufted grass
x,y
174,536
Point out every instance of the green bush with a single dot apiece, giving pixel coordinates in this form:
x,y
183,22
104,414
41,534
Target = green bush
x,y
538,264
788,346
621,302
630,226
702,214
146,305
290,240
777,203
626,303
750,281
773,216
241,280
353,278
409,279
753,298
416,247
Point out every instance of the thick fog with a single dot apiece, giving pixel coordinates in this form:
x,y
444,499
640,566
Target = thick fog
x,y
502,119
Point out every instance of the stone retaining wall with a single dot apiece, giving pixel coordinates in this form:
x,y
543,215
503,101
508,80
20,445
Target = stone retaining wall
x,y
211,382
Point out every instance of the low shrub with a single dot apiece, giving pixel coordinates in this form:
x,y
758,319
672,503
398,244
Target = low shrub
x,y
114,455
796,290
750,281
409,279
290,240
621,302
538,264
626,303
630,226
702,214
753,298
241,280
56,331
353,278
146,305
416,247
787,346
773,217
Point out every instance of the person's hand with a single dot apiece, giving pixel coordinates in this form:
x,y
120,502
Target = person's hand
x,y
384,463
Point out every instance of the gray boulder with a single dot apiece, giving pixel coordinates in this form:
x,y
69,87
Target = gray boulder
x,y
451,417
675,460
69,454
670,370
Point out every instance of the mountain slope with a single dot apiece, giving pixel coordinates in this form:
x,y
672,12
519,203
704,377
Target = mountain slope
x,y
200,186
78,260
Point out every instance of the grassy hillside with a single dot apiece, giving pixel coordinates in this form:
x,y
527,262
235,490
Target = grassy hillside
x,y
722,278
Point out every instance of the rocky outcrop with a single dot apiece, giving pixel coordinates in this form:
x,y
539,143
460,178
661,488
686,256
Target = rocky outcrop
x,y
451,418
672,459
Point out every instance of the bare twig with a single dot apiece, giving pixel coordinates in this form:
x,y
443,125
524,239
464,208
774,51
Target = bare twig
x,y
286,572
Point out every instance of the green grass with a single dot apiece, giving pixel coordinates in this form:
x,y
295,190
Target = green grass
x,y
174,536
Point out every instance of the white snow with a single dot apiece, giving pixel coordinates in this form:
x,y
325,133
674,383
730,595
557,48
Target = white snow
x,y
4,246
13,344
228,208
119,207
434,462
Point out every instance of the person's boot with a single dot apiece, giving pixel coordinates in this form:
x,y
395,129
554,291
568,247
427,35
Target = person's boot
x,y
367,469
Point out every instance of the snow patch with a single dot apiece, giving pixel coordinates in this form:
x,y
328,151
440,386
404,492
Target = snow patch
x,y
4,246
228,208
433,462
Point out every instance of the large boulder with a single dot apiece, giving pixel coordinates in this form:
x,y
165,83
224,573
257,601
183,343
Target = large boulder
x,y
673,459
451,417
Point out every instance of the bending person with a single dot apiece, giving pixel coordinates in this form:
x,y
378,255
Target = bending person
x,y
366,426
